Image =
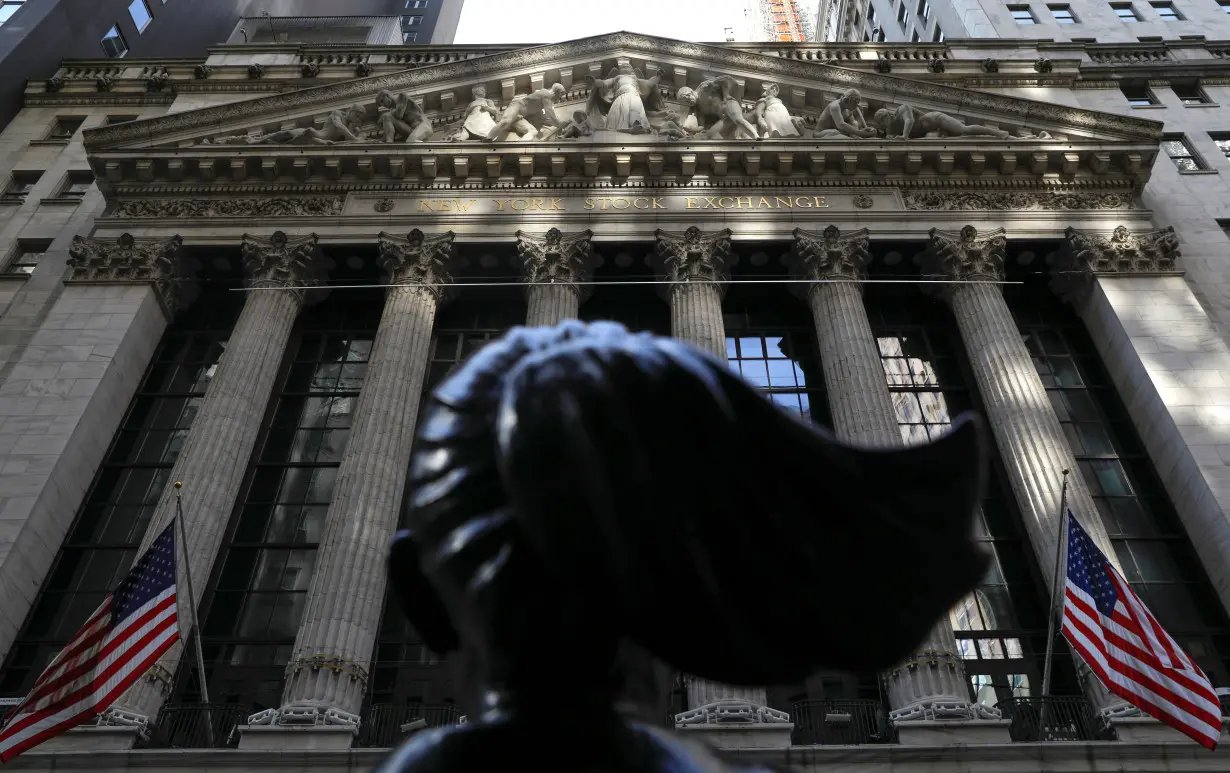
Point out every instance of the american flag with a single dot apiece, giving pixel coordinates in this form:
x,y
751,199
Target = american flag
x,y
1109,626
135,625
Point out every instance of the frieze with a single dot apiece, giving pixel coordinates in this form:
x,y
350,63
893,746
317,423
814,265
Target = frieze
x,y
1017,200
246,207
655,48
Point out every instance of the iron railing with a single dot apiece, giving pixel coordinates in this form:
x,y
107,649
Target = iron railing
x,y
197,726
382,727
1068,718
840,723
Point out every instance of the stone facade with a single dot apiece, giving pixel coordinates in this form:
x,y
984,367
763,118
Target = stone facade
x,y
1024,171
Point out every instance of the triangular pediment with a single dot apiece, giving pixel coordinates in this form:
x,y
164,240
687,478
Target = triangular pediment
x,y
444,91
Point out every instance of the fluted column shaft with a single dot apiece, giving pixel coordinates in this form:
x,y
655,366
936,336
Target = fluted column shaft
x,y
931,683
696,316
1027,432
556,266
219,446
331,662
549,304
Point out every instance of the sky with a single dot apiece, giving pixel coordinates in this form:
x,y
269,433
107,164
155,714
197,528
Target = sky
x,y
552,21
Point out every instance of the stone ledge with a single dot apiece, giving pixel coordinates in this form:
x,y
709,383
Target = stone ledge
x,y
945,732
314,738
93,740
741,736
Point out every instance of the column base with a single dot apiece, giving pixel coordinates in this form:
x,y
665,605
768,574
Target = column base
x,y
947,732
733,736
291,737
91,739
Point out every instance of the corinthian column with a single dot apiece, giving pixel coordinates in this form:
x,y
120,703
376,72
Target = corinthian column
x,y
216,453
930,684
697,265
554,265
327,676
1026,429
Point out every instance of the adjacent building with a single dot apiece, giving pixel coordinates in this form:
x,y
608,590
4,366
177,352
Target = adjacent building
x,y
1047,245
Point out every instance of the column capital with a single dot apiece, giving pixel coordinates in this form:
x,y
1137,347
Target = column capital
x,y
966,254
557,257
1086,255
828,255
282,261
693,256
419,259
159,263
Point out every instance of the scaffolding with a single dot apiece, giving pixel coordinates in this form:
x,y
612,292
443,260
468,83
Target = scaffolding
x,y
781,21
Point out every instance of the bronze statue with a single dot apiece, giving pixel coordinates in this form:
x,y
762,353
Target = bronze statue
x,y
580,485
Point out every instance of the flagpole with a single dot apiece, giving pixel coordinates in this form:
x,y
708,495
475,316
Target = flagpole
x,y
1056,593
183,533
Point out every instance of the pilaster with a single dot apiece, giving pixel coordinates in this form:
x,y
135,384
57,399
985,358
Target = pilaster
x,y
697,266
327,677
555,267
216,453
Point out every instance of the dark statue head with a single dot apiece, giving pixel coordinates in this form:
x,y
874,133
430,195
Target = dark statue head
x,y
578,485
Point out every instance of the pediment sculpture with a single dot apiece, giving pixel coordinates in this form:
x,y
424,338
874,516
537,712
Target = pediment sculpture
x,y
624,99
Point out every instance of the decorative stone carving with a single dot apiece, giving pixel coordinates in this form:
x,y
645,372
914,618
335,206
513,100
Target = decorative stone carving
x,y
863,201
1015,200
202,71
578,127
524,109
883,66
935,65
341,126
731,712
418,259
104,83
384,205
1086,255
1043,65
990,65
281,261
481,115
363,69
158,262
53,85
309,69
400,117
965,254
695,255
830,254
158,80
715,110
620,101
908,122
772,117
556,256
256,70
321,206
843,117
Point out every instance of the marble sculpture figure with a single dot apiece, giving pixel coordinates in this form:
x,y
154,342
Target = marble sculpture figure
x,y
555,512
715,110
481,115
400,117
624,99
772,116
907,122
340,126
843,117
518,117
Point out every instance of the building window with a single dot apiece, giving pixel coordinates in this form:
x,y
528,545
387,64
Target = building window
x,y
1063,14
924,11
26,256
20,185
1222,141
65,127
76,185
1022,14
1137,93
113,43
1153,550
104,538
1125,12
1190,93
416,3
414,21
140,14
1175,146
112,120
1167,11
901,14
915,37
938,35
871,16
8,8
409,37
1225,5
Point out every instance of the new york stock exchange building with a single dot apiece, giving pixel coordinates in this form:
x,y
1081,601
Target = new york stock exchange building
x,y
243,273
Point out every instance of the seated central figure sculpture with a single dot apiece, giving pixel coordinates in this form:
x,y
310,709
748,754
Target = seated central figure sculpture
x,y
579,485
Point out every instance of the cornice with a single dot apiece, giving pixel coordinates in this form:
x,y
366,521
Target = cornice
x,y
653,48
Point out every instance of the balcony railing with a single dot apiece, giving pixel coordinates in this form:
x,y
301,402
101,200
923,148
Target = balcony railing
x,y
197,726
1068,718
382,727
840,723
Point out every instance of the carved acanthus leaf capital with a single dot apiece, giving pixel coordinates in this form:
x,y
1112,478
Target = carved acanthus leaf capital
x,y
157,262
966,254
556,257
1086,255
694,255
418,259
282,261
829,255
